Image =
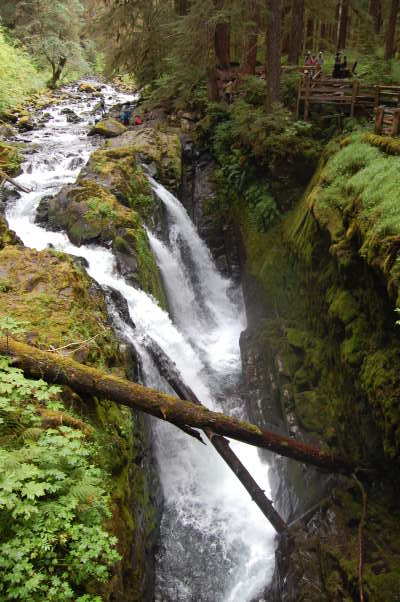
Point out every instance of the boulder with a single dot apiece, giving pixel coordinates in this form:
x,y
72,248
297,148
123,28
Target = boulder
x,y
7,131
110,128
154,147
88,88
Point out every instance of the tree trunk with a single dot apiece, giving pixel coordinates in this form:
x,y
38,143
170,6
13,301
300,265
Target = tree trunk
x,y
343,16
87,380
375,10
390,42
296,32
222,39
251,35
171,375
273,52
57,71
181,7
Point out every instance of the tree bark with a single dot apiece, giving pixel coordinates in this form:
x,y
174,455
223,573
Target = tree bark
x,y
390,42
222,39
251,37
296,32
87,380
181,7
375,10
343,17
273,52
171,375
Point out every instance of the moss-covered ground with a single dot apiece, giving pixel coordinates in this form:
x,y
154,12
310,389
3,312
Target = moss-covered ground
x,y
61,309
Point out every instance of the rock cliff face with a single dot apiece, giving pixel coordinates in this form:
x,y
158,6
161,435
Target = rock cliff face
x,y
198,195
321,358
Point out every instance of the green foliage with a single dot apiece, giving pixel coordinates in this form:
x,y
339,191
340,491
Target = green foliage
x,y
53,500
52,31
18,74
9,325
98,207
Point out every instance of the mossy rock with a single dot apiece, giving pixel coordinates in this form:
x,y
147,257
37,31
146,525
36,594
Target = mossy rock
x,y
88,88
163,149
10,159
109,128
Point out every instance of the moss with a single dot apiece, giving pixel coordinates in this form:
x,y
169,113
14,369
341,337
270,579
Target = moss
x,y
62,307
10,159
153,146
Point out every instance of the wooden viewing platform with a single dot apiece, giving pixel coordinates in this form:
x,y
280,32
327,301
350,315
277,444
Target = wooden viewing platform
x,y
352,94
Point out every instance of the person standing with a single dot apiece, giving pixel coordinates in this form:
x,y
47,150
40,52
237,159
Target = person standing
x,y
320,61
337,67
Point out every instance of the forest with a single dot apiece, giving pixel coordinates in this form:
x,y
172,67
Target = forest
x,y
199,256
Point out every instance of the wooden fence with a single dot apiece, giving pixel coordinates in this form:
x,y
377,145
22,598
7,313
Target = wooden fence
x,y
351,95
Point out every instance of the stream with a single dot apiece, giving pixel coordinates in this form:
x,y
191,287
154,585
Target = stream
x,y
215,544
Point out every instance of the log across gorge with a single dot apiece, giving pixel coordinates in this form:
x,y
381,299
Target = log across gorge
x,y
83,379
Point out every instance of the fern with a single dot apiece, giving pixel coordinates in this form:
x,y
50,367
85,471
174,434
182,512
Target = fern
x,y
53,500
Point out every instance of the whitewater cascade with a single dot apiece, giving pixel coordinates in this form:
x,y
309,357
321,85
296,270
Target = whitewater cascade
x,y
216,546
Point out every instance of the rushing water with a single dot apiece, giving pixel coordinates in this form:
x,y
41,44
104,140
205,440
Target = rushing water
x,y
216,546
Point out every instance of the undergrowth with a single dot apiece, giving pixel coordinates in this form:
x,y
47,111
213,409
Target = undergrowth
x,y
53,498
18,73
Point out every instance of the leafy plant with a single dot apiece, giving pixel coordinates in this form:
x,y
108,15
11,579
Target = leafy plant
x,y
53,500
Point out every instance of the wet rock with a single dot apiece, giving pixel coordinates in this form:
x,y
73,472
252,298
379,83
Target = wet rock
x,y
26,124
7,131
89,88
109,128
120,305
72,117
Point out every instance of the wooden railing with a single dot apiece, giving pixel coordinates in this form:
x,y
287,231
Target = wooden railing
x,y
387,121
351,94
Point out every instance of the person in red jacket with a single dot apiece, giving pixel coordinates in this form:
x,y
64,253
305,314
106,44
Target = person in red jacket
x,y
138,120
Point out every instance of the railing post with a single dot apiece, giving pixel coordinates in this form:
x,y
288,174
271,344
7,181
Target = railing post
x,y
356,85
307,97
379,113
377,97
396,123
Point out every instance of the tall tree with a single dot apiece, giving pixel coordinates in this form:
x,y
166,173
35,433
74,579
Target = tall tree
x,y
52,31
273,52
390,41
222,36
296,31
251,37
181,7
375,10
343,22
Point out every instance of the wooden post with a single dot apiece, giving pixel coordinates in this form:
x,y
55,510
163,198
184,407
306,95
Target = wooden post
x,y
379,113
300,89
396,123
377,97
356,86
307,92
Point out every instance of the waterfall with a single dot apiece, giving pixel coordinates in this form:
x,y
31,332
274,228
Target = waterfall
x,y
216,546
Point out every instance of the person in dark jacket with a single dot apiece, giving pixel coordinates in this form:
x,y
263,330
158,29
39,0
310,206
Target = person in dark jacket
x,y
337,67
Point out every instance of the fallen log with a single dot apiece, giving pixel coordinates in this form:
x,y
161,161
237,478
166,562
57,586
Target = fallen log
x,y
169,371
7,178
87,380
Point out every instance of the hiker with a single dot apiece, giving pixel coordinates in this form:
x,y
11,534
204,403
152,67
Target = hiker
x,y
138,120
307,58
125,114
345,72
320,61
228,91
337,67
